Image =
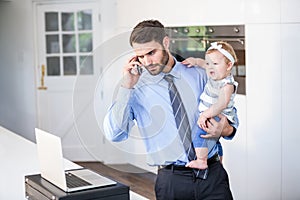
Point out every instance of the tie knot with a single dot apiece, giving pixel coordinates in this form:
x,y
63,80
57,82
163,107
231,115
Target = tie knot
x,y
169,78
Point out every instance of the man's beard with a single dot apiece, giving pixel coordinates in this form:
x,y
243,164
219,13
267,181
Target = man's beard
x,y
161,65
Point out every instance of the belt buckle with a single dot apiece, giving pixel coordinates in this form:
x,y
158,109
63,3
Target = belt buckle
x,y
202,174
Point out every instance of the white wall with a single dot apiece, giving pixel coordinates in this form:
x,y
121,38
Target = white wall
x,y
17,87
290,109
177,13
271,131
290,48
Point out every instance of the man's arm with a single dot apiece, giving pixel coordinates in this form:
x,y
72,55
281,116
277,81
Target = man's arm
x,y
118,121
228,130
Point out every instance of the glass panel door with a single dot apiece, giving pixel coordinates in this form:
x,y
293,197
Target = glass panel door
x,y
69,43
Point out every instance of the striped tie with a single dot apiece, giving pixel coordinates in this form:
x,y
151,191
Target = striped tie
x,y
181,118
183,125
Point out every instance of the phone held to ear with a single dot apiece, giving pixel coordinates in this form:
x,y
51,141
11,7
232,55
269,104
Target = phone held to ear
x,y
139,69
136,70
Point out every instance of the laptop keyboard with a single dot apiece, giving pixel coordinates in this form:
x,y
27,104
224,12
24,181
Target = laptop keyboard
x,y
74,181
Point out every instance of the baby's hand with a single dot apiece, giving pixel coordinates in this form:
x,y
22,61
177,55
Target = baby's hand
x,y
202,122
189,62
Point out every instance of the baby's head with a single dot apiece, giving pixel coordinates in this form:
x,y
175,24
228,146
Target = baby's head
x,y
218,46
220,58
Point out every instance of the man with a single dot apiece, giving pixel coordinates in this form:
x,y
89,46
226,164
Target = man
x,y
147,99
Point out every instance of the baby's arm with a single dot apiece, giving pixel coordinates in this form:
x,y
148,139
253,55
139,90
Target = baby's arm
x,y
191,61
221,104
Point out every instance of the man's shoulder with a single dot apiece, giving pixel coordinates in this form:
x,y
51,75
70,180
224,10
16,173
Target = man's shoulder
x,y
194,71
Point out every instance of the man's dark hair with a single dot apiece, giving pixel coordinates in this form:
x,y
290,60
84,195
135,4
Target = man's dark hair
x,y
147,31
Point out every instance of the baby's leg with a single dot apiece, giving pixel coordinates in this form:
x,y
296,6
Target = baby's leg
x,y
201,161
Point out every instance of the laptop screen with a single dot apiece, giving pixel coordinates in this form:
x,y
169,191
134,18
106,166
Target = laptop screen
x,y
51,158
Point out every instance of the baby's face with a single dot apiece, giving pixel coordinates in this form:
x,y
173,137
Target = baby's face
x,y
216,66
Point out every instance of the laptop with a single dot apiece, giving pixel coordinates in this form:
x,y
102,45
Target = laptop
x,y
52,166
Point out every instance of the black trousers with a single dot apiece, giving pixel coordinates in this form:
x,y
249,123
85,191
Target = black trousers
x,y
181,184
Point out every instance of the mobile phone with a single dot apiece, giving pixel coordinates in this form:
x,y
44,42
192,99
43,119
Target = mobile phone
x,y
139,69
136,70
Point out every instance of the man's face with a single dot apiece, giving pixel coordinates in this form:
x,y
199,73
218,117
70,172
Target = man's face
x,y
153,56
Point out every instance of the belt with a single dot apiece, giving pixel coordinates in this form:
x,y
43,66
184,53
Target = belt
x,y
215,158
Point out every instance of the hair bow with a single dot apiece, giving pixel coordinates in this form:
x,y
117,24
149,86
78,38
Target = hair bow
x,y
215,45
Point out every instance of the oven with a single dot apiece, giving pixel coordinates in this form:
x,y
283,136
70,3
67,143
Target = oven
x,y
193,41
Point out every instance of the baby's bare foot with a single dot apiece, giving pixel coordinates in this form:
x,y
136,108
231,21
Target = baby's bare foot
x,y
197,164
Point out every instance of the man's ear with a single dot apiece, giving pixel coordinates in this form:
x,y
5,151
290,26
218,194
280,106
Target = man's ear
x,y
166,42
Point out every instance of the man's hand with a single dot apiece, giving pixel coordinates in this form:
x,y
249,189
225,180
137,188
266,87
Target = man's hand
x,y
216,129
130,74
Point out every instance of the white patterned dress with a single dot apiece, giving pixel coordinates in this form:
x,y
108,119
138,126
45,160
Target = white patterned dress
x,y
210,96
